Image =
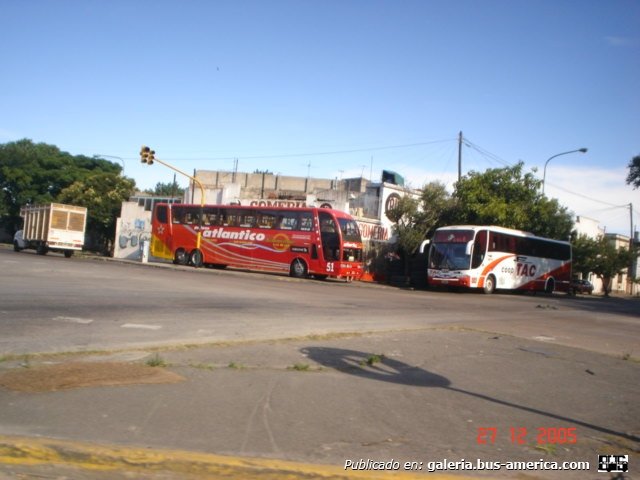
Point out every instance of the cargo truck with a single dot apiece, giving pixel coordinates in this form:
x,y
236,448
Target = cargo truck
x,y
52,227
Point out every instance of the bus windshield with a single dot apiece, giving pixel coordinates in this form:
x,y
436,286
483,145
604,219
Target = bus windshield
x,y
449,250
451,256
349,228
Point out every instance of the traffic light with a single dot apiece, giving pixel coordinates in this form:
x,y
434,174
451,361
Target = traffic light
x,y
147,155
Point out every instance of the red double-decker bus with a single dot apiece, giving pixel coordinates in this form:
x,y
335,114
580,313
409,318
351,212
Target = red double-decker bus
x,y
298,241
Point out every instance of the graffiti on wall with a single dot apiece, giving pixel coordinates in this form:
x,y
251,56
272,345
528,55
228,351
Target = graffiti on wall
x,y
131,236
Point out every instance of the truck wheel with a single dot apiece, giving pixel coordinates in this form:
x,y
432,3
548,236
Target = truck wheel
x,y
16,247
42,250
68,253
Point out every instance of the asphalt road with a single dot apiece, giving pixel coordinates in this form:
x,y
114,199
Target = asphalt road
x,y
54,304
306,371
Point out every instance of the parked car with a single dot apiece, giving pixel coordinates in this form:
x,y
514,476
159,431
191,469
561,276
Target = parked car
x,y
581,286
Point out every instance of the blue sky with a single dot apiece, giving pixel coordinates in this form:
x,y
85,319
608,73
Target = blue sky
x,y
335,88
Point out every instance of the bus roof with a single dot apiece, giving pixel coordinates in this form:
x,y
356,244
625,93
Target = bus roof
x,y
496,228
337,213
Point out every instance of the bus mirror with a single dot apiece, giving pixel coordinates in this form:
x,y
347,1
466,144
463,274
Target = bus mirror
x,y
467,250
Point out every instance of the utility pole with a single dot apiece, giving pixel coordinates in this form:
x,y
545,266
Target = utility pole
x,y
459,155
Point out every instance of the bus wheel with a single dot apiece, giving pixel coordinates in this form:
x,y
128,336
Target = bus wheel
x,y
16,246
490,284
550,286
42,249
180,257
298,269
196,258
68,253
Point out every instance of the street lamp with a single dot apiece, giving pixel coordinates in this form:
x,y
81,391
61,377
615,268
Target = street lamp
x,y
544,175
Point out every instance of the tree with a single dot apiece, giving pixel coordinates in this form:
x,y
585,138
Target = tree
x,y
601,257
610,261
36,173
437,207
509,198
102,194
634,172
585,251
169,189
415,218
410,231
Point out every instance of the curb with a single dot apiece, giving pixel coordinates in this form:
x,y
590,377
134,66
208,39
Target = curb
x,y
31,452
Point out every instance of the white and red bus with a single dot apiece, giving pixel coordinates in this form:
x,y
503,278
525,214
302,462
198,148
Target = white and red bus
x,y
298,241
493,258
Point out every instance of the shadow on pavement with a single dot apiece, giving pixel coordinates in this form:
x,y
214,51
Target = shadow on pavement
x,y
379,367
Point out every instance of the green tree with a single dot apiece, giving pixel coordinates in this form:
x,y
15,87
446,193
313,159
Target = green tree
x,y
610,261
634,172
510,198
585,251
415,218
169,189
32,173
102,194
408,228
437,207
601,257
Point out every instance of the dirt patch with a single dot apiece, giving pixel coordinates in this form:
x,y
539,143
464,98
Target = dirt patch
x,y
50,378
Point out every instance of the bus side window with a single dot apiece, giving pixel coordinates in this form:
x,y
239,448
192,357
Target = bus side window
x,y
176,215
247,219
288,221
161,214
479,249
229,217
266,220
306,221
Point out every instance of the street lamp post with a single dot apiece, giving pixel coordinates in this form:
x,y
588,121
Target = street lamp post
x,y
544,175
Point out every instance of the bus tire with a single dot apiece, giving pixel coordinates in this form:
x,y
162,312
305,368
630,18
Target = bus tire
x,y
196,258
42,249
68,253
298,269
180,257
16,246
550,286
489,284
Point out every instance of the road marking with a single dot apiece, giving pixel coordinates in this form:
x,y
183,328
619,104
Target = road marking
x,y
83,321
142,326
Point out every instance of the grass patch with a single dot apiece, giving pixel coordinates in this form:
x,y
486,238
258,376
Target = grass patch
x,y
236,366
300,367
203,366
372,360
549,448
156,361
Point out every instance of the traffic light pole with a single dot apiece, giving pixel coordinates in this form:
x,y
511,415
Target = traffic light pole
x,y
148,156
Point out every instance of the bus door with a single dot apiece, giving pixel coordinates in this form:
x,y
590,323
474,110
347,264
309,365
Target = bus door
x,y
330,238
161,233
